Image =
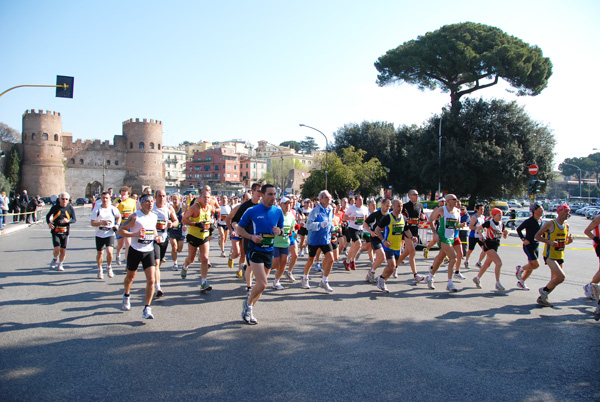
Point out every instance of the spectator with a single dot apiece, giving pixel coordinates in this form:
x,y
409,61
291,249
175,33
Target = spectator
x,y
23,202
3,209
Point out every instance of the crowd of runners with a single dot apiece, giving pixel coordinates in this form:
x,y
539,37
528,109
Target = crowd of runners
x,y
264,236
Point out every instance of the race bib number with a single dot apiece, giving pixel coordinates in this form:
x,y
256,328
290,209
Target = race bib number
x,y
451,223
223,217
359,221
560,245
126,215
267,240
204,226
413,222
161,226
60,229
397,229
148,238
497,235
287,231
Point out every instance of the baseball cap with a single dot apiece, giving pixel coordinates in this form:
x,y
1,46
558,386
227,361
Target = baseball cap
x,y
284,200
562,207
306,199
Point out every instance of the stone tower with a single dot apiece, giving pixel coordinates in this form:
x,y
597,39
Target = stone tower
x,y
43,170
144,154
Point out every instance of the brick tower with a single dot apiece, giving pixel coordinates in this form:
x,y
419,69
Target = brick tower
x,y
144,154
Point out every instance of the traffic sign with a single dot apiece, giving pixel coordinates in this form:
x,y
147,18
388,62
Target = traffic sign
x,y
533,169
351,192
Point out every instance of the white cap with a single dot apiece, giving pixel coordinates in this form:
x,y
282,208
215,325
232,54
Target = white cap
x,y
284,200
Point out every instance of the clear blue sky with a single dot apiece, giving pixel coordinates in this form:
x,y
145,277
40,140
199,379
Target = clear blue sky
x,y
255,70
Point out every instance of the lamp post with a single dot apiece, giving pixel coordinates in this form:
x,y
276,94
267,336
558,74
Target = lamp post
x,y
326,149
578,168
440,157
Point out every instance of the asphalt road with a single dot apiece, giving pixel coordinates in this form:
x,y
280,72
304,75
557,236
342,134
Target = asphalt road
x,y
65,338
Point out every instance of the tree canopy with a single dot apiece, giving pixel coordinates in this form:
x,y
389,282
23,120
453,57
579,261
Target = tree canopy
x,y
9,134
309,145
589,165
295,145
463,58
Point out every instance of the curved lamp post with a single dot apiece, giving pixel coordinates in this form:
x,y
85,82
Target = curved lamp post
x,y
326,148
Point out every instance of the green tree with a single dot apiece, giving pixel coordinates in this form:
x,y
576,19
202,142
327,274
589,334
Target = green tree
x,y
463,58
309,145
486,150
346,172
295,145
12,168
5,185
9,134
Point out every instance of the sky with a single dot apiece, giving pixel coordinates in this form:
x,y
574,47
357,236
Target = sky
x,y
213,71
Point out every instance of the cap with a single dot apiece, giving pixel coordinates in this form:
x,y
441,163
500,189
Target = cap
x,y
562,207
496,211
442,199
306,199
284,200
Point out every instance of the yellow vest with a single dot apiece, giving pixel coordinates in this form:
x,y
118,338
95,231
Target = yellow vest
x,y
560,236
204,216
394,232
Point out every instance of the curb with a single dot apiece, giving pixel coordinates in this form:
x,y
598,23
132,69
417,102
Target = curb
x,y
14,227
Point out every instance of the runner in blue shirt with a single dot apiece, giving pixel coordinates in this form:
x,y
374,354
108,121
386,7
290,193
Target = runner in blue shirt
x,y
264,221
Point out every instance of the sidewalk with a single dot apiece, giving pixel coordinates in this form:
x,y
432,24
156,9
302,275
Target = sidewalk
x,y
12,227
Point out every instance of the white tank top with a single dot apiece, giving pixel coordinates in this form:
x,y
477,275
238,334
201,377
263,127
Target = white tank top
x,y
148,222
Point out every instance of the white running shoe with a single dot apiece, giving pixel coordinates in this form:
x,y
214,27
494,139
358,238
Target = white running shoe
x,y
53,263
126,303
466,264
430,283
100,274
305,284
60,267
521,285
301,253
499,287
223,254
118,259
290,276
478,264
147,313
418,278
595,291
395,273
450,287
458,276
370,277
110,272
381,284
175,267
325,285
477,282
519,272
277,286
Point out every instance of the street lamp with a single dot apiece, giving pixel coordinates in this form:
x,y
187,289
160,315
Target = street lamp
x,y
575,166
326,149
440,157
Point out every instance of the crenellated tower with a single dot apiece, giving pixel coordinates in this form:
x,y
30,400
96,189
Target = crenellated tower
x,y
43,170
144,154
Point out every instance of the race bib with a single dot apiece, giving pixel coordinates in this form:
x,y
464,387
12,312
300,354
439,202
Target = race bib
x,y
161,226
560,246
204,226
397,229
287,231
60,229
148,238
413,222
126,215
451,223
267,240
359,221
223,217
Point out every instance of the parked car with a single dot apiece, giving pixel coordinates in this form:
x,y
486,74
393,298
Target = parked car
x,y
502,205
82,201
521,216
514,204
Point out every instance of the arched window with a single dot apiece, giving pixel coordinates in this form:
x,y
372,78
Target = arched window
x,y
107,163
45,136
141,145
72,161
55,137
116,163
151,145
33,136
81,161
131,145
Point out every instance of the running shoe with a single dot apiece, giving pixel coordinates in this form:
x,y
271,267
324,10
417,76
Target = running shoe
x,y
430,283
118,259
100,274
597,313
175,266
381,284
466,264
230,262
60,267
346,265
450,287
370,277
223,254
418,278
478,264
458,276
587,291
184,272
477,282
325,285
358,255
147,313
277,286
499,287
205,286
247,315
126,303
395,273
301,254
446,260
595,291
159,293
110,272
521,285
53,263
290,276
239,274
519,272
352,265
209,265
305,284
426,254
318,267
543,299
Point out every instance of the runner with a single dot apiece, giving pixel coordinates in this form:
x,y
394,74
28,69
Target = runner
x,y
126,207
531,247
355,216
282,243
303,232
555,235
475,237
319,225
462,246
493,232
434,229
413,211
166,219
591,289
266,222
175,232
59,220
449,217
198,218
222,224
141,225
106,219
370,224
